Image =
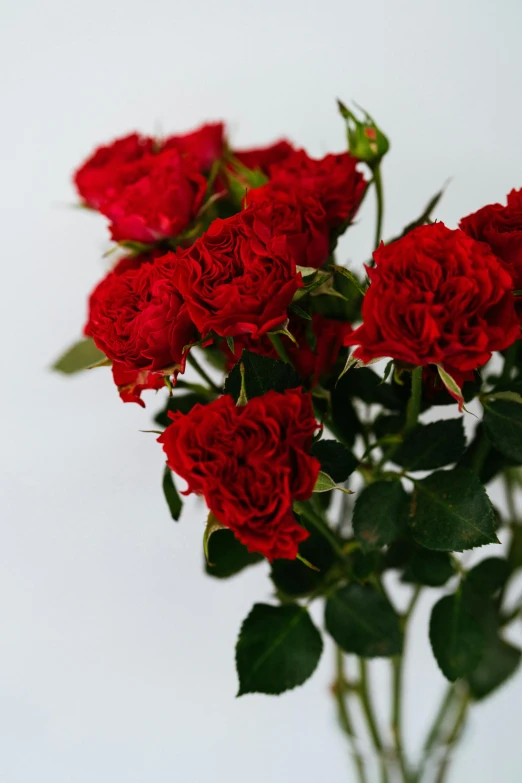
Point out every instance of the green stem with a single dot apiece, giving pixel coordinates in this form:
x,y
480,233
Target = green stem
x,y
413,603
369,714
414,403
199,369
433,737
454,737
510,498
398,683
339,691
377,181
320,525
397,680
412,414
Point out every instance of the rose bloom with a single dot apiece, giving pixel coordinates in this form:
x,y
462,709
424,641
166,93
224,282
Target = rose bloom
x,y
138,319
113,166
501,228
205,143
436,297
161,203
237,278
334,180
319,342
263,157
250,463
101,176
295,213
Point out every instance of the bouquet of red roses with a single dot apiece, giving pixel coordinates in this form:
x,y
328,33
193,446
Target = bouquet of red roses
x,y
226,260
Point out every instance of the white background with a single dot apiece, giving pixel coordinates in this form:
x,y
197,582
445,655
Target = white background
x,y
116,653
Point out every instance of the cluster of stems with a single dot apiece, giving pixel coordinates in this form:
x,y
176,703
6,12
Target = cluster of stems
x,y
388,748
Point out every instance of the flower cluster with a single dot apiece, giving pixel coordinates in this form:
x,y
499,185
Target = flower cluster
x,y
230,254
228,262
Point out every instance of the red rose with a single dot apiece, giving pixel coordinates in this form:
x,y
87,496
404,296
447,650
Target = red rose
x,y
161,203
206,144
501,228
137,316
131,383
263,157
436,297
318,344
237,278
250,463
297,214
100,177
334,180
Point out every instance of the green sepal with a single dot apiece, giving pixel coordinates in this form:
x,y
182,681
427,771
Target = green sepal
x,y
213,524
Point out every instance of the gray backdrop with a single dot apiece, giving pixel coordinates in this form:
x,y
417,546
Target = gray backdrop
x,y
116,653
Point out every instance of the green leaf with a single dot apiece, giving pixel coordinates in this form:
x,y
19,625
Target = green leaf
x,y
278,648
227,555
174,501
488,577
429,568
364,564
78,357
182,403
499,661
262,374
368,387
292,578
509,396
388,424
429,446
380,514
336,460
494,462
362,621
325,483
451,511
503,426
456,636
345,425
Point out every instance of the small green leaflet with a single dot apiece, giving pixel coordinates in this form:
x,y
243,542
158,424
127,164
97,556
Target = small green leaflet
x,y
325,483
